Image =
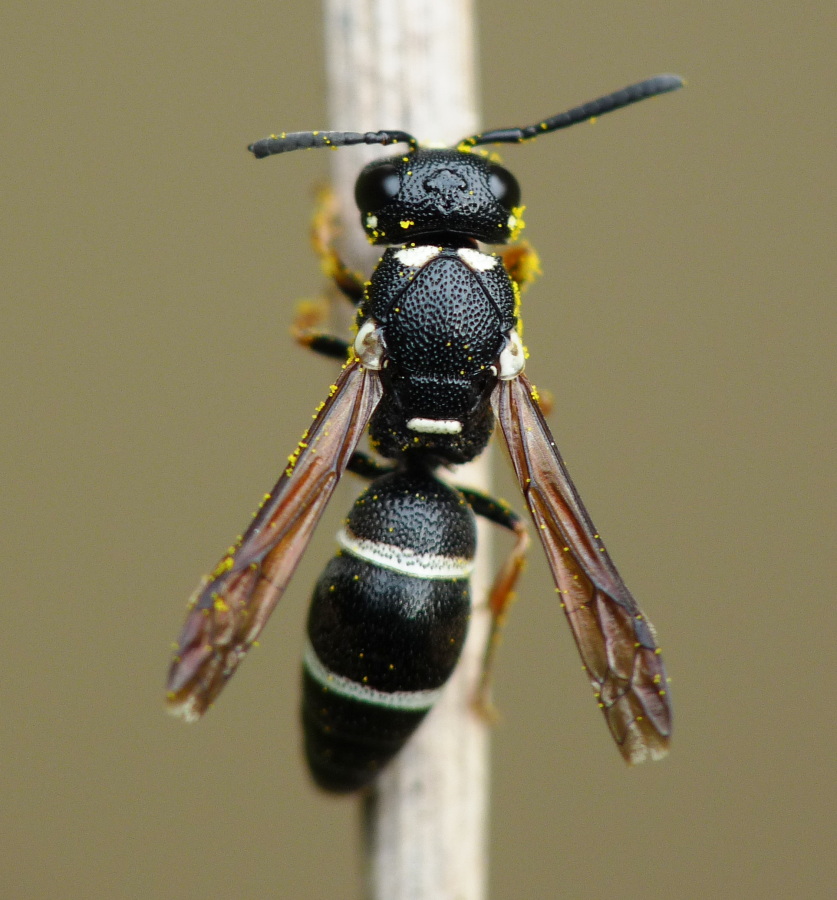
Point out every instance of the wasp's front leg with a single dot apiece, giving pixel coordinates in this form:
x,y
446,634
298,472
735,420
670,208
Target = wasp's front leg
x,y
522,263
324,231
312,315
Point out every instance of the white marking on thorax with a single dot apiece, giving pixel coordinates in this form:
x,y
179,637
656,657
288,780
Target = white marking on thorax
x,y
430,566
479,262
415,257
435,426
417,701
369,344
513,358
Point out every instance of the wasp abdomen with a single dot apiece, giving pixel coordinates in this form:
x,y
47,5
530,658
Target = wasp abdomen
x,y
387,623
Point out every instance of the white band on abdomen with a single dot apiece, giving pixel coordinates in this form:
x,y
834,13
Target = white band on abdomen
x,y
417,701
405,561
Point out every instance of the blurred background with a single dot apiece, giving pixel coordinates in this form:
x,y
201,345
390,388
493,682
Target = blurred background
x,y
151,392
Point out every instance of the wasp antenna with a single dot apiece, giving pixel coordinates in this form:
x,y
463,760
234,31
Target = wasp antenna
x,y
305,140
659,84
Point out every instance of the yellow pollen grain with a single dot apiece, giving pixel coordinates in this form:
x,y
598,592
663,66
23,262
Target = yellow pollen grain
x,y
224,566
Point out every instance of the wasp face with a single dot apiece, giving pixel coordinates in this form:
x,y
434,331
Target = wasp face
x,y
439,192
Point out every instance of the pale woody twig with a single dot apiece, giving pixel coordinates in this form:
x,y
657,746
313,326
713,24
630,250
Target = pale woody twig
x,y
409,64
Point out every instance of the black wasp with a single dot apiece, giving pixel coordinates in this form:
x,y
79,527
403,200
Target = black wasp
x,y
436,361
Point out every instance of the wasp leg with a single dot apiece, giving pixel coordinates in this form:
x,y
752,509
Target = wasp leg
x,y
324,344
502,591
311,315
522,263
324,230
367,467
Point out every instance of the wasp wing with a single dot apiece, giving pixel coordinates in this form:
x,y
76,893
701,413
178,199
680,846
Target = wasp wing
x,y
615,640
232,605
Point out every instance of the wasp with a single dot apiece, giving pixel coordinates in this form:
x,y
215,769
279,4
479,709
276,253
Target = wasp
x,y
436,363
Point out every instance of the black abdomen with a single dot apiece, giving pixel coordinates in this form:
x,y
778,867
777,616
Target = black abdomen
x,y
386,627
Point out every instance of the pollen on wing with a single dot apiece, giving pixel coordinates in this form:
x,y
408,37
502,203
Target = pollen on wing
x,y
224,566
264,500
294,457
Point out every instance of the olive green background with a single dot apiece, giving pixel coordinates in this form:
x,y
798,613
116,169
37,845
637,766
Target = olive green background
x,y
684,323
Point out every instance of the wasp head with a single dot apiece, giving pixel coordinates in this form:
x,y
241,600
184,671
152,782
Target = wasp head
x,y
440,192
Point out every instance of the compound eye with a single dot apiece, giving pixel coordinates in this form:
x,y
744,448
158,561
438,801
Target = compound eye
x,y
504,186
376,187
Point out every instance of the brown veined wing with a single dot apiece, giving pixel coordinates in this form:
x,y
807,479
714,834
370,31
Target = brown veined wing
x,y
615,639
232,605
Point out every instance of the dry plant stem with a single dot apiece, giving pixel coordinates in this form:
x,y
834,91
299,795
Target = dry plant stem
x,y
409,64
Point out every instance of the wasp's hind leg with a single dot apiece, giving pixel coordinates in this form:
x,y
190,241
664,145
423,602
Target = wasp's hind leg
x,y
365,466
502,590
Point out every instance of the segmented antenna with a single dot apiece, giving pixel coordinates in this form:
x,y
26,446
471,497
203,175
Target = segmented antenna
x,y
659,84
304,140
